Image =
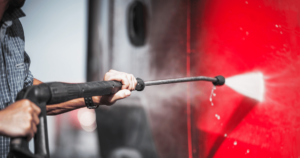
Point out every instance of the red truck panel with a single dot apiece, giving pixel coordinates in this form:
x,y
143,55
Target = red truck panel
x,y
235,37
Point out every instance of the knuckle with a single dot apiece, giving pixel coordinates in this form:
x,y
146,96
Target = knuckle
x,y
29,118
107,76
26,102
27,127
38,121
29,109
34,130
126,82
38,110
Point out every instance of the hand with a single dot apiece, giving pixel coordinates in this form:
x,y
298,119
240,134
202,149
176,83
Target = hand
x,y
129,82
19,119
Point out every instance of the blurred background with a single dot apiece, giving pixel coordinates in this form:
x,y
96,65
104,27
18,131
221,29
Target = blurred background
x,y
253,43
56,41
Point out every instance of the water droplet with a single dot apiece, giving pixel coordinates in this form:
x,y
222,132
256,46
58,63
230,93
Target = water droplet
x,y
280,32
276,25
214,94
217,116
235,143
246,2
241,28
247,33
211,94
225,135
248,151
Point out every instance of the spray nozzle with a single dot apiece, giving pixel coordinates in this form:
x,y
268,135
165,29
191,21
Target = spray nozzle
x,y
220,81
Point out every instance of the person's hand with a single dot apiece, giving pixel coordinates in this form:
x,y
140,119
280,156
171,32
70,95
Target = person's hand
x,y
129,82
19,119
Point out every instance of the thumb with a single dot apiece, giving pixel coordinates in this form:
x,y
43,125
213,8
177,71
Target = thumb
x,y
121,94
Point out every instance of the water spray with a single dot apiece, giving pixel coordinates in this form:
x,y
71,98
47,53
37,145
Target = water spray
x,y
251,85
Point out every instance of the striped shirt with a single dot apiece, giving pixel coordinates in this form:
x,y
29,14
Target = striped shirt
x,y
14,65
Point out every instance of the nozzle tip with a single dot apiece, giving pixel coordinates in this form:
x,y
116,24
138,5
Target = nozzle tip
x,y
220,81
140,84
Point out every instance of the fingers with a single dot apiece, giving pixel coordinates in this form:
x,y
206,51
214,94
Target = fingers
x,y
35,119
120,95
130,84
128,80
33,112
21,119
36,109
134,82
125,81
33,122
111,99
32,131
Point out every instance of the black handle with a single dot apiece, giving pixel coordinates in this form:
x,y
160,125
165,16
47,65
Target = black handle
x,y
39,95
54,93
62,92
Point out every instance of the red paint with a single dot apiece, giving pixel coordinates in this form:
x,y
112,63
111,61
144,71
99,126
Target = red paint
x,y
234,37
188,73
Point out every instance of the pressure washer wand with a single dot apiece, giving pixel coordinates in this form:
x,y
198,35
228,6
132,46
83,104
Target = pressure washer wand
x,y
217,80
58,92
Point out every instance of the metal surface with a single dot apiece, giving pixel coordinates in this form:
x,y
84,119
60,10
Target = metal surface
x,y
238,37
94,51
209,37
162,56
100,13
178,80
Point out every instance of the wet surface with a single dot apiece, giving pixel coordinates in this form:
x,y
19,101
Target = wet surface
x,y
235,37
210,38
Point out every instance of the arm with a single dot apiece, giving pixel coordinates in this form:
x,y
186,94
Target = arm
x,y
128,81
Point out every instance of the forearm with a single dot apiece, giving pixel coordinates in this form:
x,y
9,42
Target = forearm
x,y
36,82
56,109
